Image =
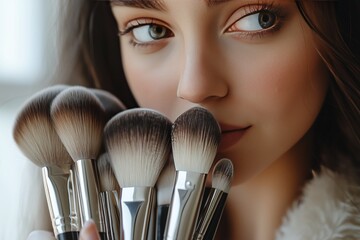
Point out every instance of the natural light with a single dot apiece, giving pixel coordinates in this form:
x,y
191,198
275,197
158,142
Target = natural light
x,y
21,40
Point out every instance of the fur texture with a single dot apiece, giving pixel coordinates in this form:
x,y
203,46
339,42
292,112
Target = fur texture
x,y
328,210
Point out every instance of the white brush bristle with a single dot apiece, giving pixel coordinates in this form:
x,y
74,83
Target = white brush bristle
x,y
222,175
165,183
106,175
79,120
138,142
34,132
195,139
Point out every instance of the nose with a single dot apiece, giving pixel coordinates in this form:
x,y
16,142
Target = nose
x,y
203,77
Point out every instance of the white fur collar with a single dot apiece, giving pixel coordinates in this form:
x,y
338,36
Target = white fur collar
x,y
329,209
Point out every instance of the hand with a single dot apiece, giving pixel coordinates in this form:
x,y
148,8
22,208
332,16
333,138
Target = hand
x,y
89,231
41,235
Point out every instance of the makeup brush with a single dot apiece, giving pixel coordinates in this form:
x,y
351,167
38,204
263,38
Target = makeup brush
x,y
215,203
164,186
79,119
138,142
111,104
195,138
37,139
109,190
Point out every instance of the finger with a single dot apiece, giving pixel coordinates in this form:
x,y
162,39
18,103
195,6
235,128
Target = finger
x,y
41,235
89,231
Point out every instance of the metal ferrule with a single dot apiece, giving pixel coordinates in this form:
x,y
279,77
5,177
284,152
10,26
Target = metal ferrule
x,y
136,207
88,192
185,205
58,184
208,212
111,215
152,221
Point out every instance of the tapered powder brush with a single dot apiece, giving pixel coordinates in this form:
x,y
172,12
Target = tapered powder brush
x,y
109,197
37,139
215,203
195,138
164,186
138,142
79,119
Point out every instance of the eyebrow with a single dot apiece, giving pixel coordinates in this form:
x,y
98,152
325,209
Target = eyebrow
x,y
156,4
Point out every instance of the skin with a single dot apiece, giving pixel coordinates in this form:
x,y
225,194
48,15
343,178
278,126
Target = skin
x,y
271,82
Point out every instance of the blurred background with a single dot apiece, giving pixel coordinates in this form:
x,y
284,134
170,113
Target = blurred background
x,y
28,30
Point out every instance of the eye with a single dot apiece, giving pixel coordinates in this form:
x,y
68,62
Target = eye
x,y
255,22
147,33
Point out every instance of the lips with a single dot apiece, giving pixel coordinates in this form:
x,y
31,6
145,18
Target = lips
x,y
230,135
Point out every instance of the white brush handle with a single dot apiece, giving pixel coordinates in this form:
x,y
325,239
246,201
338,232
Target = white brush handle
x,y
185,205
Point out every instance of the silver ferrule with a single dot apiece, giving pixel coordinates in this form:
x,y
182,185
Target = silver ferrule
x,y
111,214
88,192
136,207
208,212
58,186
74,197
185,205
152,221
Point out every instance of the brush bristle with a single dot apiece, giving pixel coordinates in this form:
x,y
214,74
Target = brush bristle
x,y
106,175
79,120
222,175
195,138
34,132
111,104
165,183
138,142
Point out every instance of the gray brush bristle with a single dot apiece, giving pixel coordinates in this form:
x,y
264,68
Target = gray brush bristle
x,y
222,175
111,104
106,175
165,183
34,132
195,139
138,141
79,120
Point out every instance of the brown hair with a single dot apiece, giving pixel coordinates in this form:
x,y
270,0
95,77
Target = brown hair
x,y
338,131
95,60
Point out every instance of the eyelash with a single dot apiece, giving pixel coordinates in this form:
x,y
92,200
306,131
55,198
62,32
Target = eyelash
x,y
135,24
250,9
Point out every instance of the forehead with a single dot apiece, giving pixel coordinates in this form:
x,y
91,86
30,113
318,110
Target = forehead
x,y
157,4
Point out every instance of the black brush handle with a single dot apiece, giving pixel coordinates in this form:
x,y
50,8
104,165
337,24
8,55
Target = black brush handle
x,y
213,226
162,212
103,236
75,236
205,197
68,236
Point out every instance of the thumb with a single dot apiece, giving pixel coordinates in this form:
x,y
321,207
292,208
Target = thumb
x,y
89,231
41,235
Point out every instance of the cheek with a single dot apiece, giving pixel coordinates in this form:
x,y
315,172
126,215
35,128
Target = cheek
x,y
281,90
152,84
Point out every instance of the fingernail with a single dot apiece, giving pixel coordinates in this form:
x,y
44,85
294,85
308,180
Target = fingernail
x,y
89,231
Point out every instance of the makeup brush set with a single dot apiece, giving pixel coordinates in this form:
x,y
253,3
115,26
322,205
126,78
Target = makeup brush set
x,y
133,172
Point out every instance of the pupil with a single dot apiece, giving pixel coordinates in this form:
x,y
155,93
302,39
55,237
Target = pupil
x,y
266,19
157,32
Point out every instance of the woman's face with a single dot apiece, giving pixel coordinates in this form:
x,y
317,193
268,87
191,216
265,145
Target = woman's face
x,y
251,63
